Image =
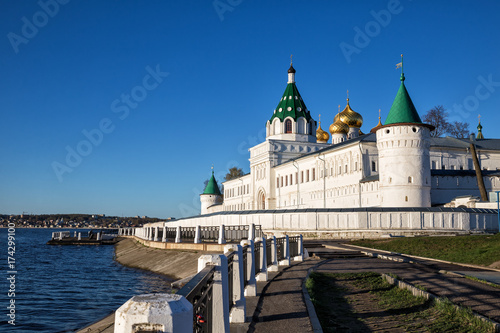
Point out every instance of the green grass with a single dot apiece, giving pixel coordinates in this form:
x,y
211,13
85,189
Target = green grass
x,y
413,313
477,250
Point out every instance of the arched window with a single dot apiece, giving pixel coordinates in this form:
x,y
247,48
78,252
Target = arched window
x,y
288,126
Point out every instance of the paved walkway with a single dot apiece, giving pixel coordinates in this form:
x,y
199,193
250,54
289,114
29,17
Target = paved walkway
x,y
280,306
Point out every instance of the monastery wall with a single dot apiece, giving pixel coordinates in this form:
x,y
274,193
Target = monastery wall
x,y
354,223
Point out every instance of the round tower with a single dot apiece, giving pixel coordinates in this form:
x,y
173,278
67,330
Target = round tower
x,y
403,143
211,195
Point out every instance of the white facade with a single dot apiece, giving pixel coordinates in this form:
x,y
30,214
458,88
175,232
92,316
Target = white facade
x,y
398,165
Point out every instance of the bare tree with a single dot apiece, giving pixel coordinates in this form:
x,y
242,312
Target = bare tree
x,y
459,129
437,117
234,173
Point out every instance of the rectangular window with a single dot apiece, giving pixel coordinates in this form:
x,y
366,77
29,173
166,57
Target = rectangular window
x,y
313,174
291,179
307,175
374,166
340,170
277,182
286,180
248,188
296,177
281,181
302,176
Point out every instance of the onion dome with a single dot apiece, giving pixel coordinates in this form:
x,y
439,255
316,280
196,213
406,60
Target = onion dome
x,y
350,117
338,126
321,136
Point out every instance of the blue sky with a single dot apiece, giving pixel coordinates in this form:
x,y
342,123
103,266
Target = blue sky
x,y
163,89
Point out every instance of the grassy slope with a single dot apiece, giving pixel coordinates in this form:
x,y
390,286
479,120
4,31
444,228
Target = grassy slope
x,y
477,250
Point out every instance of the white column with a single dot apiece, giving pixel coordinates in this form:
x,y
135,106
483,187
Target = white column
x,y
98,235
238,312
262,276
164,236
273,266
220,291
79,236
286,261
155,312
157,232
251,289
251,231
197,235
222,237
178,234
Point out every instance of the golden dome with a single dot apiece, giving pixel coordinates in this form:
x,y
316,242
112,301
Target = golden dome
x,y
322,135
350,117
338,126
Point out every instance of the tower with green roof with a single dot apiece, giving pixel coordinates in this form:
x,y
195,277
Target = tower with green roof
x,y
211,195
291,119
403,144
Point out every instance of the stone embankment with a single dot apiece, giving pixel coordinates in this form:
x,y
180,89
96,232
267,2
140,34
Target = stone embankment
x,y
176,264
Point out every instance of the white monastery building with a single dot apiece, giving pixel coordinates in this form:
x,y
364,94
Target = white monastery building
x,y
397,164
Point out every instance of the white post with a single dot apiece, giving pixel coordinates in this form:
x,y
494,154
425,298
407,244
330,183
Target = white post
x,y
178,234
251,289
251,231
98,235
238,312
222,237
220,291
155,313
286,261
300,256
79,236
164,236
157,232
273,266
262,276
53,235
197,235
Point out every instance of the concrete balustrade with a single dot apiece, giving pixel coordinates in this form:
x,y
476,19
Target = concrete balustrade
x,y
178,235
222,237
174,313
251,288
262,275
155,313
220,291
197,235
238,312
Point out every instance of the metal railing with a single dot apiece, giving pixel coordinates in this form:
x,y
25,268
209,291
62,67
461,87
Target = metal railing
x,y
245,265
294,246
230,274
198,291
280,247
256,256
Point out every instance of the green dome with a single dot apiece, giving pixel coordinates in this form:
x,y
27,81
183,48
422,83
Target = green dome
x,y
212,187
291,103
402,109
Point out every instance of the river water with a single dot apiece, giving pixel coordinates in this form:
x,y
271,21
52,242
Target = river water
x,y
64,288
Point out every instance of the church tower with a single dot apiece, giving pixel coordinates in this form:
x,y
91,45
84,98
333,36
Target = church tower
x,y
211,195
403,144
291,120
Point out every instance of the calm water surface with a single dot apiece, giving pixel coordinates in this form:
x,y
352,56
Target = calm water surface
x,y
64,288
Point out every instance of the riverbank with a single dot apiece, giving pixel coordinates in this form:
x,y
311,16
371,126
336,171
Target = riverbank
x,y
175,264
